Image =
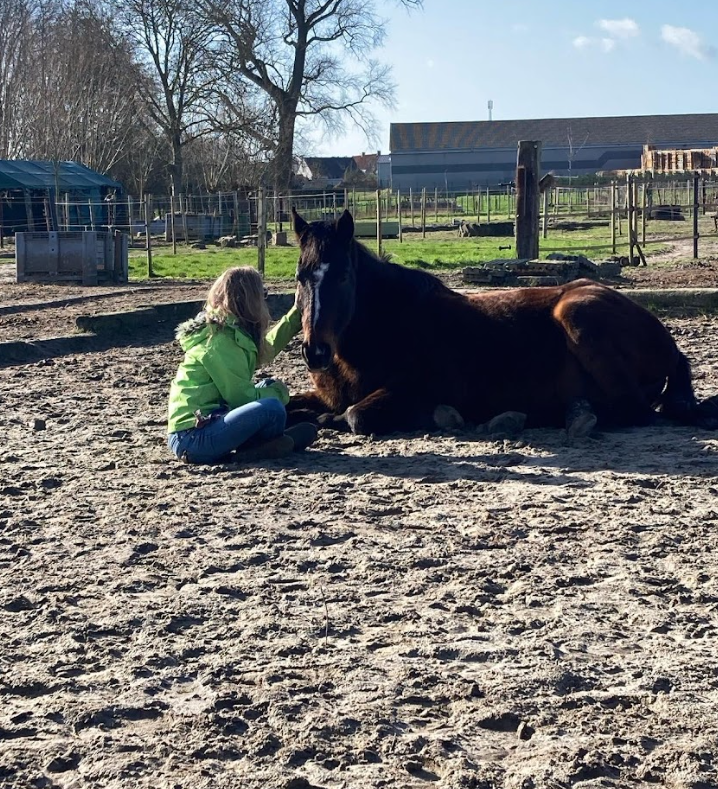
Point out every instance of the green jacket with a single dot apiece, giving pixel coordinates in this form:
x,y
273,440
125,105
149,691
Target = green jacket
x,y
218,367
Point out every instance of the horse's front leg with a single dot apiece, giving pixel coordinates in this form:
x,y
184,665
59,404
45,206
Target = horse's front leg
x,y
311,407
387,411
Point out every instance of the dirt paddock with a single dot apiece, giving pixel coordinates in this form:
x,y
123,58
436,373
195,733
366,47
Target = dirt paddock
x,y
437,610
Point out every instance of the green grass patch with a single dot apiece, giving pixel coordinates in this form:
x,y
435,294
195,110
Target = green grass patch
x,y
439,251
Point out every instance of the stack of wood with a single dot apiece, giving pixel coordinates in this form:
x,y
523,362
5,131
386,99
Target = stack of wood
x,y
558,270
521,272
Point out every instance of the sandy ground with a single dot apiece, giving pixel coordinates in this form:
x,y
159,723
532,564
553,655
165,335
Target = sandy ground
x,y
438,610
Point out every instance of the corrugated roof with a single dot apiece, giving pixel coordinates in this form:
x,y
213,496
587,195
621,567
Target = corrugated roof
x,y
28,174
470,135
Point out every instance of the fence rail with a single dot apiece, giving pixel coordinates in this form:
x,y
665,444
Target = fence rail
x,y
622,216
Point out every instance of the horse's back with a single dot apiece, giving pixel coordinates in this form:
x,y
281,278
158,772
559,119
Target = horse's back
x,y
589,311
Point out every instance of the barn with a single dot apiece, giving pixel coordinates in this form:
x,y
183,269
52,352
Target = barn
x,y
462,155
44,195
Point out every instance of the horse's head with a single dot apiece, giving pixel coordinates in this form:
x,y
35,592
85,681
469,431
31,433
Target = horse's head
x,y
326,278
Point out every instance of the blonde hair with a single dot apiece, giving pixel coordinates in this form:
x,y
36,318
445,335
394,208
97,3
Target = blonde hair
x,y
239,294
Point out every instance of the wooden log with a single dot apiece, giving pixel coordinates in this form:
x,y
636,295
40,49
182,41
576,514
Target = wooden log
x,y
527,198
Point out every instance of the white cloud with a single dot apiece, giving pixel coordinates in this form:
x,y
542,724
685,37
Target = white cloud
x,y
687,41
608,44
585,42
619,28
430,64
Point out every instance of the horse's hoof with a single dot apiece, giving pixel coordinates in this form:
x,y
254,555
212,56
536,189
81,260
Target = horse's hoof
x,y
333,422
510,423
446,417
581,425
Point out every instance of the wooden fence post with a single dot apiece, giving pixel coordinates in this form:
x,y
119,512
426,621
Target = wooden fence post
x,y
613,217
172,224
183,211
398,215
378,222
527,199
544,218
423,212
629,217
148,238
696,178
261,231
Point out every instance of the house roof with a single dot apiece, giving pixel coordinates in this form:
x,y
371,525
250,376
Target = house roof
x,y
470,135
366,162
66,176
329,166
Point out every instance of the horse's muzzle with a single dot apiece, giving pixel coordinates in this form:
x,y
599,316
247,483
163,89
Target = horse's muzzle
x,y
317,356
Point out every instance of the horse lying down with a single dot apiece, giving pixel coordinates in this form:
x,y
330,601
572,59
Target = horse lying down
x,y
386,346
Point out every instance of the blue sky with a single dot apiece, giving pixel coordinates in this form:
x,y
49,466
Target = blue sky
x,y
542,59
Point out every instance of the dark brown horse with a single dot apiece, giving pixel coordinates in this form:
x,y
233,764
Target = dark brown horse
x,y
385,345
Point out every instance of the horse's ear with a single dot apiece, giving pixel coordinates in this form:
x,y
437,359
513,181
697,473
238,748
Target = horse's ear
x,y
300,225
345,227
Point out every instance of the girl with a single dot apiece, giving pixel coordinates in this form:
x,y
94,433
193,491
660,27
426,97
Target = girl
x,y
214,407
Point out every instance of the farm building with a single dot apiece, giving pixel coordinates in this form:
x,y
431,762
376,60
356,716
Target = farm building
x,y
31,191
465,155
324,171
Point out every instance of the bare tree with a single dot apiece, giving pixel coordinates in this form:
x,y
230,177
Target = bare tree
x,y
290,51
573,151
170,39
15,37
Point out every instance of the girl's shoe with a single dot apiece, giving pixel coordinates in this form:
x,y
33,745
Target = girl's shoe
x,y
303,434
273,449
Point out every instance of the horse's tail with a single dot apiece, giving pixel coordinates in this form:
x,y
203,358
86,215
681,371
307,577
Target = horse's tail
x,y
679,402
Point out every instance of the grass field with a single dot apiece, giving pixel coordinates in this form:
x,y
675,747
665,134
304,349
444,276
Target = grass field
x,y
440,251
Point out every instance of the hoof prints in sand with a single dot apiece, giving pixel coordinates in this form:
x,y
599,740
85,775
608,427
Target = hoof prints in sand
x,y
415,611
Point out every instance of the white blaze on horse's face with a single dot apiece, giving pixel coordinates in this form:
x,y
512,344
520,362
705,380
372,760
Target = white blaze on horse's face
x,y
317,276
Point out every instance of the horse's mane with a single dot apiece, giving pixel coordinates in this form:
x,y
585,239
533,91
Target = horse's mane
x,y
410,280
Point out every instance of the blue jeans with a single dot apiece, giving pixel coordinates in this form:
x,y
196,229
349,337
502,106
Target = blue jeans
x,y
228,430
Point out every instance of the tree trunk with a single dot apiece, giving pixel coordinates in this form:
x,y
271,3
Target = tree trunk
x,y
176,173
285,152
